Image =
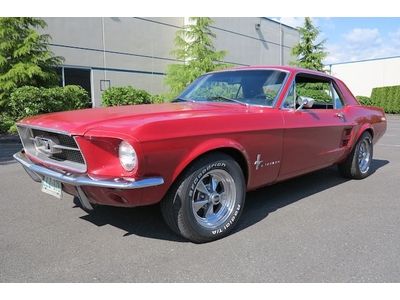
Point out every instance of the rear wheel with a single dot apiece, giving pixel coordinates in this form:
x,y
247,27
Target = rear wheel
x,y
357,164
206,202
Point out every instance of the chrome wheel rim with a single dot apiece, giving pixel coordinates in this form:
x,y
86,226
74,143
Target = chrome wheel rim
x,y
214,198
364,156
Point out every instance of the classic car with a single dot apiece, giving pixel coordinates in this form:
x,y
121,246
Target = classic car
x,y
229,132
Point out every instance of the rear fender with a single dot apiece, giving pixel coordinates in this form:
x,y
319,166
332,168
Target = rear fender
x,y
362,129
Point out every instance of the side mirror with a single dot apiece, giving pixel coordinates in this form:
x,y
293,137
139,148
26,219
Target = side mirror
x,y
306,102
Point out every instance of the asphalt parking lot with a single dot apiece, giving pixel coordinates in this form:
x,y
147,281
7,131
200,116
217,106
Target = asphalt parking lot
x,y
316,228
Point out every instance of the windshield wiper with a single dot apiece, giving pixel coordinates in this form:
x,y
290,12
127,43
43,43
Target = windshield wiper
x,y
181,100
228,99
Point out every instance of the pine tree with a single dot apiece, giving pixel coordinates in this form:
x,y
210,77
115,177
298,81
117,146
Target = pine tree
x,y
309,54
25,58
194,46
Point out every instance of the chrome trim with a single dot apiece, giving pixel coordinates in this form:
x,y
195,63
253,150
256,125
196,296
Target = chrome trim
x,y
293,83
70,165
43,128
62,147
68,148
33,175
249,69
364,155
278,95
84,180
83,199
214,198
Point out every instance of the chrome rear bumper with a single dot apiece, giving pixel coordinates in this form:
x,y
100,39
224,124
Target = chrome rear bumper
x,y
38,171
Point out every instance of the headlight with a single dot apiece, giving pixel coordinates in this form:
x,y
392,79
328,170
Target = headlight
x,y
127,156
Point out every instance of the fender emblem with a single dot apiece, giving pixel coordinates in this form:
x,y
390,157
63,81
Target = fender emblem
x,y
259,163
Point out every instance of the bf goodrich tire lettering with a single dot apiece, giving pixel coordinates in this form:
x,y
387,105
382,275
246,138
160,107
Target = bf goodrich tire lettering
x,y
206,202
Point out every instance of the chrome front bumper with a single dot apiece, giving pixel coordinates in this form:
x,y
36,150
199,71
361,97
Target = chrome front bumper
x,y
37,172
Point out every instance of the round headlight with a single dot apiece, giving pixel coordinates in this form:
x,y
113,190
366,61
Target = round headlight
x,y
127,156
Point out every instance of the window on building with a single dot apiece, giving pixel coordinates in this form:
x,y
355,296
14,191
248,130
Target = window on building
x,y
75,76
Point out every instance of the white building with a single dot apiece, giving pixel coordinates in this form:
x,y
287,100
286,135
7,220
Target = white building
x,y
362,76
104,52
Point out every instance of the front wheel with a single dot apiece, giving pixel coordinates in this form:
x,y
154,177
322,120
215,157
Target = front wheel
x,y
206,202
357,164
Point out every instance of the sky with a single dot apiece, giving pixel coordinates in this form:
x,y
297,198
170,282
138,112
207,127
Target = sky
x,y
352,39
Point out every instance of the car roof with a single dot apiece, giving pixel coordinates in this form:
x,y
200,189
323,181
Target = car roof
x,y
277,67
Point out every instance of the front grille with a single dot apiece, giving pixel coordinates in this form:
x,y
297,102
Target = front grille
x,y
69,155
53,147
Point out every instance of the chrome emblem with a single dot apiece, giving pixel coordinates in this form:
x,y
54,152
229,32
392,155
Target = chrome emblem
x,y
46,145
259,163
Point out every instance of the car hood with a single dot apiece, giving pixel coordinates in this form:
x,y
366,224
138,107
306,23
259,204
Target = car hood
x,y
79,122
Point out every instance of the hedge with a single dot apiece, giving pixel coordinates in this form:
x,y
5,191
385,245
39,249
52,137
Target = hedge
x,y
387,97
364,100
128,95
158,99
28,101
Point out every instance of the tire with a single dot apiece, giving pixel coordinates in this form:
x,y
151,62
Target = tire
x,y
205,203
358,162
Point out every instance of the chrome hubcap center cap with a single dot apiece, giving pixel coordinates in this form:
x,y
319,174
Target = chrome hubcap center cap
x,y
215,198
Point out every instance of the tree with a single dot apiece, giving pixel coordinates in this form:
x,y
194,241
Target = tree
x,y
25,58
194,46
309,54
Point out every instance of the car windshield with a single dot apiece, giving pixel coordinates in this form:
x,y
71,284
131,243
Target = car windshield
x,y
249,87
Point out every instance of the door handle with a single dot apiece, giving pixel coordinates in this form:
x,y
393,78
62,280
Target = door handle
x,y
340,115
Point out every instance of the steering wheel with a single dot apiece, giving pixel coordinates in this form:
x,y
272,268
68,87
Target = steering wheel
x,y
266,99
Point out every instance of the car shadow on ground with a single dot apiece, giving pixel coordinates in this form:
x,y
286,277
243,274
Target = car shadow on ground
x,y
147,221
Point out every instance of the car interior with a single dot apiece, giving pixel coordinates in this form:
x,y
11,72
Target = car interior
x,y
321,90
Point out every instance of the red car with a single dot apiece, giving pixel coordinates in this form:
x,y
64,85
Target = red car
x,y
229,132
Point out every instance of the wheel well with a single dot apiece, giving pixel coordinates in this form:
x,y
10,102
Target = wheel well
x,y
239,158
232,152
370,131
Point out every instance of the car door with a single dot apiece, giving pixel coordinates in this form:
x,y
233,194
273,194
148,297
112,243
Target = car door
x,y
313,137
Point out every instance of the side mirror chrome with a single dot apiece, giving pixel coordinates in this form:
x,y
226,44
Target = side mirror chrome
x,y
306,102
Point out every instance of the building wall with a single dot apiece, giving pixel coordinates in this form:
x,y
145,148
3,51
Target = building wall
x,y
250,46
361,77
137,51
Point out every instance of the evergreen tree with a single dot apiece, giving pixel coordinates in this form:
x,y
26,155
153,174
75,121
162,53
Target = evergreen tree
x,y
194,46
25,58
309,54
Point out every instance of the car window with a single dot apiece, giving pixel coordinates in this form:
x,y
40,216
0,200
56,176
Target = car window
x,y
337,99
289,100
217,88
319,89
254,87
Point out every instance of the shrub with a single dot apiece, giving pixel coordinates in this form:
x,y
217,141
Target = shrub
x,y
126,95
6,123
364,100
158,99
387,97
317,91
28,101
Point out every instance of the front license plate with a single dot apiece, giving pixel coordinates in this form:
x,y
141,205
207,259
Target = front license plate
x,y
52,187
